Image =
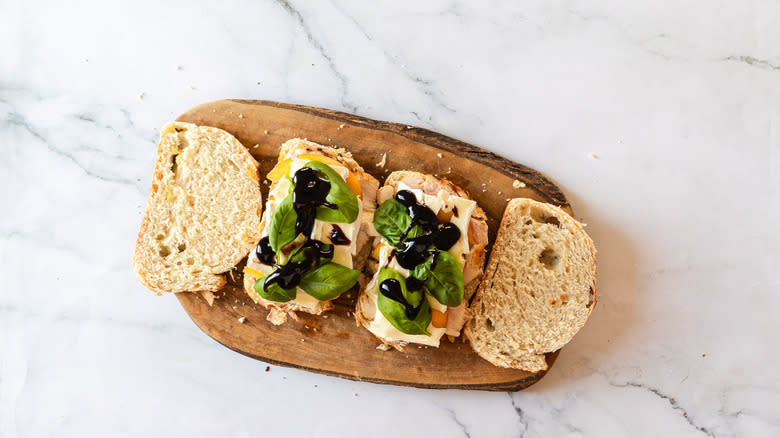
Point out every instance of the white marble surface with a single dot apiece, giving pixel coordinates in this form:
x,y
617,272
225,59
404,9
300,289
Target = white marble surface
x,y
679,102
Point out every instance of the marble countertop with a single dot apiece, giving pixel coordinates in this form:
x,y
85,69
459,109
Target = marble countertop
x,y
660,122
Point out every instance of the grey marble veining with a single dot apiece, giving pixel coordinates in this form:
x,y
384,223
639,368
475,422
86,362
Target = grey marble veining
x,y
659,121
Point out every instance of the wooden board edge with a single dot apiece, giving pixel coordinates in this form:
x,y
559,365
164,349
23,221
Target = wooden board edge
x,y
510,386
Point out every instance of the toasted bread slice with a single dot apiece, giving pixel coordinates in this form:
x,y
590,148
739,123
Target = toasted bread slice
x,y
473,262
368,188
539,287
203,213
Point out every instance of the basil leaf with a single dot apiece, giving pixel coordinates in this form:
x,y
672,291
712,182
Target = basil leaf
x,y
328,281
395,312
282,229
444,282
391,221
339,194
275,292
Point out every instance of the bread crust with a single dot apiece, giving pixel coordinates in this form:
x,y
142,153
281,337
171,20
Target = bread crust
x,y
296,147
533,361
146,263
476,256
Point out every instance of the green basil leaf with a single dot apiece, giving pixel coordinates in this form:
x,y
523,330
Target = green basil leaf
x,y
282,230
328,281
339,194
444,282
275,292
391,221
395,312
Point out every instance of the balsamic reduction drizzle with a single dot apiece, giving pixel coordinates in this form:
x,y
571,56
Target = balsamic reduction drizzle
x,y
391,288
264,251
415,250
309,192
337,236
289,276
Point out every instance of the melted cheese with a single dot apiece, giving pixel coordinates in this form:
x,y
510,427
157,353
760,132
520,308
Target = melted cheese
x,y
342,254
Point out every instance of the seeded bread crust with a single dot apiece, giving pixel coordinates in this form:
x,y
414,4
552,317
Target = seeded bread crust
x,y
366,305
538,290
369,185
203,212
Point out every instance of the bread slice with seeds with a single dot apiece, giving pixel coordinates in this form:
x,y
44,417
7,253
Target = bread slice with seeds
x,y
538,289
203,212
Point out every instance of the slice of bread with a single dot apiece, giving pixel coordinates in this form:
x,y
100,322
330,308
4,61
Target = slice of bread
x,y
365,311
538,290
203,213
369,185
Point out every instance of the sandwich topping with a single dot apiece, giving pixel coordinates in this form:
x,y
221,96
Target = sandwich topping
x,y
306,252
424,246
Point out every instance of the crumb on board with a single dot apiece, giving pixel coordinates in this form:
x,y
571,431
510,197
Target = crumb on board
x,y
178,67
265,132
704,355
256,146
383,347
517,184
593,156
240,116
439,155
141,95
383,161
241,319
354,394
341,126
325,316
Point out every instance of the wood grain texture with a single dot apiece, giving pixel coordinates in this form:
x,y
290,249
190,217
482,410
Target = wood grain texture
x,y
334,345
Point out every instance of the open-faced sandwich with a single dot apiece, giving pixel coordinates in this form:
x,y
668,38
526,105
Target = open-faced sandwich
x,y
203,213
428,260
315,230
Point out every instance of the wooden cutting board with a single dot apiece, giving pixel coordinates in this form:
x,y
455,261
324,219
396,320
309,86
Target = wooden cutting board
x,y
335,345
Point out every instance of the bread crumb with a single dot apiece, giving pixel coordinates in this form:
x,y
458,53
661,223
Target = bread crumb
x,y
517,184
258,82
256,146
325,316
138,179
241,319
265,132
178,67
408,127
341,126
593,156
240,116
499,192
704,355
141,95
191,87
284,377
355,394
383,161
86,59
439,155
303,340
383,347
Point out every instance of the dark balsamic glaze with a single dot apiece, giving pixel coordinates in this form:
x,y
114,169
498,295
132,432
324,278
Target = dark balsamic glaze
x,y
264,251
415,250
455,210
309,192
391,288
447,236
337,236
289,276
